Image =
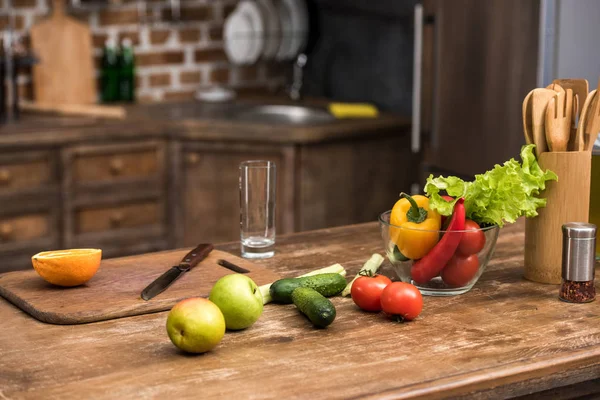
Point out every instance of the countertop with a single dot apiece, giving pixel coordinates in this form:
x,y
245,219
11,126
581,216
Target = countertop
x,y
506,337
190,120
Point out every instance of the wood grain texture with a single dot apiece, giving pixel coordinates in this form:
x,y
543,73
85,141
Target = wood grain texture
x,y
65,73
568,201
507,337
485,61
114,292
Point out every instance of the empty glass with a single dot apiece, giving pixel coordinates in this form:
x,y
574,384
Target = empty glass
x,y
257,208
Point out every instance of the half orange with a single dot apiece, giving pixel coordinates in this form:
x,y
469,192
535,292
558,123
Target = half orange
x,y
67,267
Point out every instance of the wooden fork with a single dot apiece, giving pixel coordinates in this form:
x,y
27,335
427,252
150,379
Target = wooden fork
x,y
558,120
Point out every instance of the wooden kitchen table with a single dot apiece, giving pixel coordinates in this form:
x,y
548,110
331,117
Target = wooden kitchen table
x,y
507,337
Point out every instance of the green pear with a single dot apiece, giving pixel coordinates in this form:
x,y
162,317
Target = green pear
x,y
239,299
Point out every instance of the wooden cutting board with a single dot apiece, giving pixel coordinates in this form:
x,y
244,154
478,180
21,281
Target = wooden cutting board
x,y
65,73
114,292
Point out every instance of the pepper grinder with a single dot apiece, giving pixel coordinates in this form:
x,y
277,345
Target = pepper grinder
x,y
578,258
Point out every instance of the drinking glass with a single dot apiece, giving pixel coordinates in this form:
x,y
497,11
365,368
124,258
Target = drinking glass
x,y
257,208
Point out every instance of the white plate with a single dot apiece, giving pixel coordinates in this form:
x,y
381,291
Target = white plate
x,y
286,31
272,29
257,36
296,21
237,31
304,24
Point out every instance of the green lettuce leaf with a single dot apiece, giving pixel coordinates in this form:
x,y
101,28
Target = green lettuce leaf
x,y
498,196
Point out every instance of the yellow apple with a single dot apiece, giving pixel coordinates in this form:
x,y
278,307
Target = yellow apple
x,y
195,325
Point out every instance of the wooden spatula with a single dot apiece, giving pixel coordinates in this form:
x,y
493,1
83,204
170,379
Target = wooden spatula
x,y
591,123
580,142
539,101
582,122
527,121
558,120
556,87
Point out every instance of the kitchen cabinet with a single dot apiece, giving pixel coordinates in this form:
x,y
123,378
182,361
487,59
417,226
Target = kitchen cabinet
x,y
29,205
353,180
143,185
479,61
318,185
209,187
114,196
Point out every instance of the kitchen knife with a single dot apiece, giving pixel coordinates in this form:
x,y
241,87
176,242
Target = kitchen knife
x,y
165,280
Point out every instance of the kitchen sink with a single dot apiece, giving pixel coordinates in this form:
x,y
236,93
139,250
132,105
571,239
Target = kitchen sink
x,y
283,114
277,114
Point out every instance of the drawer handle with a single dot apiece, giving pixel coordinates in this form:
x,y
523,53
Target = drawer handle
x,y
116,166
117,218
192,159
5,176
6,231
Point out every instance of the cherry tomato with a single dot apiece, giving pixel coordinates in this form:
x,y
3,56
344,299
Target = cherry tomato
x,y
366,291
473,239
402,299
460,270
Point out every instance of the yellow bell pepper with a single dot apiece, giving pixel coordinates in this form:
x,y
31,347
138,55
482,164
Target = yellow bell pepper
x,y
415,228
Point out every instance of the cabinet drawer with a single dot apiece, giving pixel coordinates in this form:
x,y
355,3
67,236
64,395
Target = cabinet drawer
x,y
115,164
24,228
26,172
100,219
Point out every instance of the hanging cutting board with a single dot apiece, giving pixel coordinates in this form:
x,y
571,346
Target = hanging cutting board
x,y
114,292
65,73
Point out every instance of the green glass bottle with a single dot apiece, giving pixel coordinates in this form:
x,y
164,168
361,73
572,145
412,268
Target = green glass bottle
x,y
127,72
109,73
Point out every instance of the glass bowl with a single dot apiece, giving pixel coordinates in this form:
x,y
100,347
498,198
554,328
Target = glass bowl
x,y
468,273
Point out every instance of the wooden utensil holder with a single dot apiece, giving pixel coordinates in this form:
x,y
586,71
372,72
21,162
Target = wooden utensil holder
x,y
568,200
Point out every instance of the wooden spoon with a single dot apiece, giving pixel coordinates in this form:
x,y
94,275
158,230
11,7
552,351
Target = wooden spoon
x,y
582,125
558,120
539,101
527,121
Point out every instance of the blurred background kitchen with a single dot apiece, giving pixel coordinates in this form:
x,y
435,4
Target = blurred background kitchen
x,y
123,122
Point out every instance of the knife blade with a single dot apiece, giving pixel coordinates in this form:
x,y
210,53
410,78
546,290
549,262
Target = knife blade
x,y
188,262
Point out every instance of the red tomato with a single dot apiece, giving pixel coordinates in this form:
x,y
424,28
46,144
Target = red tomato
x,y
473,240
460,270
402,299
366,291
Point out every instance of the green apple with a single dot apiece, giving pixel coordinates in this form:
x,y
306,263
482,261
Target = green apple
x,y
239,299
195,325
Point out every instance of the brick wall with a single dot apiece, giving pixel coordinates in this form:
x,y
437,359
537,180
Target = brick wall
x,y
174,58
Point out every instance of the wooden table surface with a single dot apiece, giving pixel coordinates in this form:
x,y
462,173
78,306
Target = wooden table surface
x,y
506,337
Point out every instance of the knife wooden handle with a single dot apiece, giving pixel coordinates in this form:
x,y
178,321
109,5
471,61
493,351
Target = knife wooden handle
x,y
198,254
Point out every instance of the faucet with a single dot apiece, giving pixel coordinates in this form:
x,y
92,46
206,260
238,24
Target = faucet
x,y
295,92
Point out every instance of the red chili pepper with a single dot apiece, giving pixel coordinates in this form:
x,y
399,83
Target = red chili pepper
x,y
431,265
444,218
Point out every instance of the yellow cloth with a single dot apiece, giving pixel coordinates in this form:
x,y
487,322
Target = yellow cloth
x,y
353,110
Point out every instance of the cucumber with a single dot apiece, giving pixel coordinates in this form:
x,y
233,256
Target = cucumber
x,y
326,284
319,310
